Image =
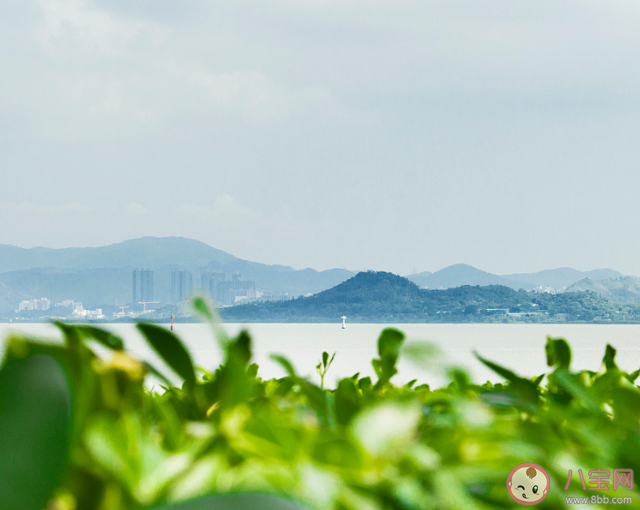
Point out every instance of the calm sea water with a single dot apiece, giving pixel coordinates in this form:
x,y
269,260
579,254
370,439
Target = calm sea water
x,y
518,346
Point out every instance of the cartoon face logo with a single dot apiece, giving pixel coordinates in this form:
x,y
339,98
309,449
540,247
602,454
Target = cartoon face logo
x,y
528,484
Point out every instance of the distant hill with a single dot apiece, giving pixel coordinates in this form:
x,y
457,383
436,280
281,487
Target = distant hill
x,y
619,290
148,252
387,298
368,294
420,279
93,287
101,276
562,277
461,274
9,298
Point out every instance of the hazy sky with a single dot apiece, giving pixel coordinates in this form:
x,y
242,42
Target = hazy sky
x,y
374,134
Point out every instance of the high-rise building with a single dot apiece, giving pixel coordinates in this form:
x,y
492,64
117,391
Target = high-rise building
x,y
210,283
181,286
142,285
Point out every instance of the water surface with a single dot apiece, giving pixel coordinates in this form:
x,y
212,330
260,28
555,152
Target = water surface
x,y
517,346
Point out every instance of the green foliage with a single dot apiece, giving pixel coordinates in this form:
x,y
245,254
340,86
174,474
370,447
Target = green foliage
x,y
170,349
85,432
323,366
35,428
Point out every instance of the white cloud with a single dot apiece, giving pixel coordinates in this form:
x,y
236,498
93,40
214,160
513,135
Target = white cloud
x,y
246,91
134,208
101,95
224,213
74,26
41,209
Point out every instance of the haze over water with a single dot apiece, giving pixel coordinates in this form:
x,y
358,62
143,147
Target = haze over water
x,y
519,347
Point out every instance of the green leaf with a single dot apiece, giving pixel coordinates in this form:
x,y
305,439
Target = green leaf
x,y
460,377
284,363
237,502
71,335
387,427
506,399
633,375
236,384
35,425
106,338
318,401
574,386
524,387
558,353
389,343
252,370
239,349
365,384
500,370
202,307
154,371
347,401
609,358
538,380
170,349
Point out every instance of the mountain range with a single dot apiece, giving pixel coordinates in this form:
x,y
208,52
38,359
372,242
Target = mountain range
x,y
381,297
101,276
551,279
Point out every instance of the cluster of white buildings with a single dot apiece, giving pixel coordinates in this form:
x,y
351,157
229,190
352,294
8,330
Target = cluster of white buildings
x,y
34,304
81,313
77,310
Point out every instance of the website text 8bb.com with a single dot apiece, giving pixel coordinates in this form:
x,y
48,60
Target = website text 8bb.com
x,y
598,500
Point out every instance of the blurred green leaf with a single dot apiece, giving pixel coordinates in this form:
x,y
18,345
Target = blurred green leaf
x,y
285,364
609,358
389,345
170,349
633,376
106,338
575,387
347,400
318,400
35,428
498,369
236,383
558,353
236,502
202,307
387,427
524,387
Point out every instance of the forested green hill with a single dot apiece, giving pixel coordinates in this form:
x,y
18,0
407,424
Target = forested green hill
x,y
385,297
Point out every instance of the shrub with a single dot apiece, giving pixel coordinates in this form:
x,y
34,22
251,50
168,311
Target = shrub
x,y
82,431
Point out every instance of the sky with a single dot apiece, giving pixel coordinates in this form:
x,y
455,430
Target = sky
x,y
391,135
